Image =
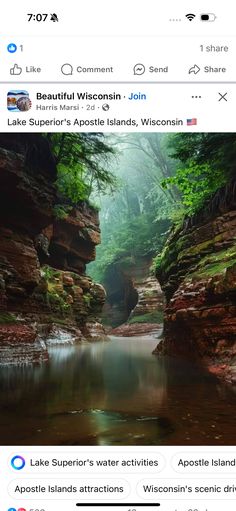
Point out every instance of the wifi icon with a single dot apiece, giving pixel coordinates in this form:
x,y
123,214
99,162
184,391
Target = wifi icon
x,y
190,17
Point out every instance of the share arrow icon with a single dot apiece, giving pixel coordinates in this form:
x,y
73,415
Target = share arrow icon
x,y
194,69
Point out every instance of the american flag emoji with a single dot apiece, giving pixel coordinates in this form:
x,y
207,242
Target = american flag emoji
x,y
192,122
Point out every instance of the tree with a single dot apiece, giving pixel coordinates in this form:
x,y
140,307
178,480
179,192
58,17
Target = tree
x,y
216,149
82,160
158,165
207,161
135,220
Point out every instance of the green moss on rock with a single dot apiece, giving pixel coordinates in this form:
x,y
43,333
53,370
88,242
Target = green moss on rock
x,y
216,264
7,318
151,317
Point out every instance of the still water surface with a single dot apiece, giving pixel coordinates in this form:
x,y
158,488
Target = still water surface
x,y
114,393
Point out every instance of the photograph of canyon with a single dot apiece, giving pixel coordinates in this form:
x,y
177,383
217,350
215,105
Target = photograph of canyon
x,y
117,289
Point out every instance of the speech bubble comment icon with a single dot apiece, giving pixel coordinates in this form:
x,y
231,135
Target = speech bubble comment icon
x,y
139,69
67,69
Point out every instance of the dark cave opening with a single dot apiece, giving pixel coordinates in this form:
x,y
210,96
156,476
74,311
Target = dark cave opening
x,y
122,297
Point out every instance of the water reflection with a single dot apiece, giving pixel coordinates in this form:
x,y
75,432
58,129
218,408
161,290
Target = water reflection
x,y
113,393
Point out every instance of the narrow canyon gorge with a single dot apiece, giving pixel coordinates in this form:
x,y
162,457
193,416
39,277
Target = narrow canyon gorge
x,y
117,289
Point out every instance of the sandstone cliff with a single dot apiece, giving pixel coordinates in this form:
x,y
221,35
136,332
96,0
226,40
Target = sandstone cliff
x,y
197,271
42,258
134,297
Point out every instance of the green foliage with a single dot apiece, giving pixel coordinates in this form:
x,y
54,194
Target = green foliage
x,y
71,184
197,183
164,178
49,273
205,163
87,299
58,300
156,263
177,214
61,212
81,160
135,238
215,149
56,296
150,317
7,318
135,219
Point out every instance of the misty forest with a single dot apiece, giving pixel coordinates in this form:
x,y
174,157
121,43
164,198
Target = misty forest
x,y
117,288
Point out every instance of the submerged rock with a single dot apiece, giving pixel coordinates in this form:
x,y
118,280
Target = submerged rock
x,y
136,329
54,335
22,353
94,331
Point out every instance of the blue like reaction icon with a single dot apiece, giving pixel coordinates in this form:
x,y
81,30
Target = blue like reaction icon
x,y
12,48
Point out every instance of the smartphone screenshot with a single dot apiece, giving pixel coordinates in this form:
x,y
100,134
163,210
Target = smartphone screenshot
x,y
117,256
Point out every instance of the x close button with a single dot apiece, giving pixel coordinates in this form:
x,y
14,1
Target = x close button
x,y
223,96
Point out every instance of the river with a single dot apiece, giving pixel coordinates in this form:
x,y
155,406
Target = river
x,y
114,393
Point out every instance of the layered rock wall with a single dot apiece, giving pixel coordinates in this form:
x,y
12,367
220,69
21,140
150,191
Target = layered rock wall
x,y
42,258
133,294
150,299
197,272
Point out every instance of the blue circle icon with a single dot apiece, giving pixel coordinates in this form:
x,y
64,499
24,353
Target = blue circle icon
x,y
12,509
12,48
17,462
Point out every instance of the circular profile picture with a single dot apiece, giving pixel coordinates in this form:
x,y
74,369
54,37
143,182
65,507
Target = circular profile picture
x,y
23,104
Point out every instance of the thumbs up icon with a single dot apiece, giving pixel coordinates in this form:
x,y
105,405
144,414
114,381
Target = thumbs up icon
x,y
16,70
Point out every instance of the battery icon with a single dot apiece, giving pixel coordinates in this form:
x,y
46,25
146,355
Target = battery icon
x,y
208,17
